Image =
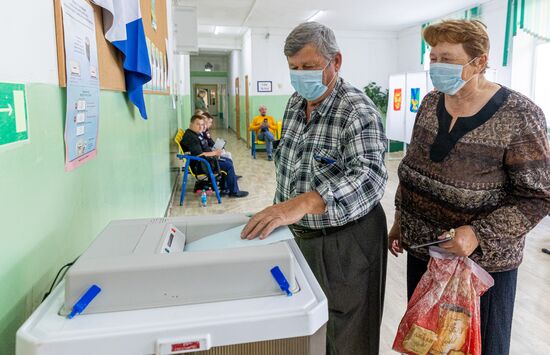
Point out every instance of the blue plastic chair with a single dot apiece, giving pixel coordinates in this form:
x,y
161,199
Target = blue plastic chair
x,y
187,170
256,141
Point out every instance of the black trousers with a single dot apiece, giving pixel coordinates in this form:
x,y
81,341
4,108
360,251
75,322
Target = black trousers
x,y
496,306
350,265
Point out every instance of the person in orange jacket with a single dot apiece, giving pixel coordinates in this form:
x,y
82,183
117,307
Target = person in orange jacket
x,y
266,129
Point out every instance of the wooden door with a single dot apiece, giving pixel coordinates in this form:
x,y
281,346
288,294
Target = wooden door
x,y
237,109
247,110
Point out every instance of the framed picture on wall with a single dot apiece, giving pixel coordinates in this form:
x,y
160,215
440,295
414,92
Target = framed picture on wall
x,y
264,86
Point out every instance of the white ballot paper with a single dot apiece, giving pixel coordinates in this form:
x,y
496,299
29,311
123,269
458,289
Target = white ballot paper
x,y
219,144
231,238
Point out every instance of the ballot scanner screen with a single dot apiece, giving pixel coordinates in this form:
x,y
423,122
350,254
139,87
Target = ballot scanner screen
x,y
173,240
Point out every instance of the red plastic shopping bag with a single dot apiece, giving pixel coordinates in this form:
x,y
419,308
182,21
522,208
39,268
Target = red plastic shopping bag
x,y
442,316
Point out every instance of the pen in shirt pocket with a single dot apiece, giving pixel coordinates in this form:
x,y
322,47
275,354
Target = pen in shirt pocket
x,y
324,160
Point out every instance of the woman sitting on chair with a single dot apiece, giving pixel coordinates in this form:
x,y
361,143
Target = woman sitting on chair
x,y
192,142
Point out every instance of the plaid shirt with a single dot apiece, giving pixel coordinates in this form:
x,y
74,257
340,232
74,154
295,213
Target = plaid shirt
x,y
345,131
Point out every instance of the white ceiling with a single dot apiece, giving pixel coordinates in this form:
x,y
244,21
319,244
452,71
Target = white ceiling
x,y
233,16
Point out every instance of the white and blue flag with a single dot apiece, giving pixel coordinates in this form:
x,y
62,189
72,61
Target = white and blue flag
x,y
124,29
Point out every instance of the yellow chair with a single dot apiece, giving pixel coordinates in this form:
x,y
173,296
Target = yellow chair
x,y
255,141
187,158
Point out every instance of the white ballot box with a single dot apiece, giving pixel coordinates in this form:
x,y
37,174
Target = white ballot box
x,y
182,285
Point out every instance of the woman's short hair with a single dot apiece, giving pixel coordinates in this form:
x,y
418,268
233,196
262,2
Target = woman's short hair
x,y
472,34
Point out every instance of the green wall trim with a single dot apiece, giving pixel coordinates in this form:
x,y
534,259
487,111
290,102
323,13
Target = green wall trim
x,y
49,216
223,74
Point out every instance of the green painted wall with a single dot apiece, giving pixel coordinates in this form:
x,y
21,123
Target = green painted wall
x,y
243,117
276,105
184,111
231,109
49,216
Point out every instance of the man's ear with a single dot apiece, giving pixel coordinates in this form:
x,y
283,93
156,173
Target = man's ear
x,y
338,61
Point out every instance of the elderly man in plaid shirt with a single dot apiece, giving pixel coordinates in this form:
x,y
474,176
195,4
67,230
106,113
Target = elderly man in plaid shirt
x,y
330,179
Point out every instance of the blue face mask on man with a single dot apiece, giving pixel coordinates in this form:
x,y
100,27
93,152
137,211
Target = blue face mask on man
x,y
309,83
447,78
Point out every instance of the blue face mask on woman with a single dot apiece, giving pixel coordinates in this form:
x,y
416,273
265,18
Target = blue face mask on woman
x,y
309,83
447,78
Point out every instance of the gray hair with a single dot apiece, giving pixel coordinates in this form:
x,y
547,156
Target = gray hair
x,y
314,33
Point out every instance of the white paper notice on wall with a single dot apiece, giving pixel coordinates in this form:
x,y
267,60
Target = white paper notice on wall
x,y
395,117
80,117
81,105
75,68
80,130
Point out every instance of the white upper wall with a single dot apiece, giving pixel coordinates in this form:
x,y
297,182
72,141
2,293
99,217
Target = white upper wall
x,y
29,51
493,14
182,74
234,69
29,42
366,57
408,51
270,62
246,62
219,62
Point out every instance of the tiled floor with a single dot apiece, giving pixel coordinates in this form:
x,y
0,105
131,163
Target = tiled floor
x,y
531,328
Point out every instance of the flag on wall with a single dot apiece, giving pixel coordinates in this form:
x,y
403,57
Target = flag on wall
x,y
124,29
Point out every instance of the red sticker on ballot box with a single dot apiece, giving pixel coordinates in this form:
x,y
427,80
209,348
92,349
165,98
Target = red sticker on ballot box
x,y
190,345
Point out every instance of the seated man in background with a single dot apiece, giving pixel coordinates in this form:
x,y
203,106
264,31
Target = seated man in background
x,y
266,129
193,142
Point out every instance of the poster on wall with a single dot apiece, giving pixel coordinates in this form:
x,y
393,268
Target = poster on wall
x,y
13,115
395,117
82,118
417,86
264,86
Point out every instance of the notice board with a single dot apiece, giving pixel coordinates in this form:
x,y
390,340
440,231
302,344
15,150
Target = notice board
x,y
111,73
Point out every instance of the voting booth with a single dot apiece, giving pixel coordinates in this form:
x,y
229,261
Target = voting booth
x,y
182,285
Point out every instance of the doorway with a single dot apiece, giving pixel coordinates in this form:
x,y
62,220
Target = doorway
x,y
211,99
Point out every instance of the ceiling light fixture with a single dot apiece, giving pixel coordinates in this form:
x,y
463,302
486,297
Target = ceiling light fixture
x,y
216,30
315,16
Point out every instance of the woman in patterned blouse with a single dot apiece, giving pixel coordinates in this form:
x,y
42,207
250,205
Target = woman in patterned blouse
x,y
478,163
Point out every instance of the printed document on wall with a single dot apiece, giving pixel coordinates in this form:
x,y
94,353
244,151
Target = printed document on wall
x,y
82,117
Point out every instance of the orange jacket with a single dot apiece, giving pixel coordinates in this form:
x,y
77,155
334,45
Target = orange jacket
x,y
257,122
